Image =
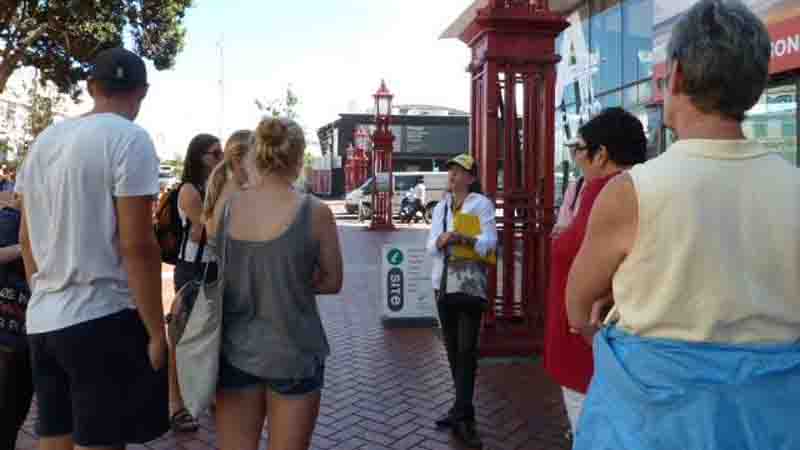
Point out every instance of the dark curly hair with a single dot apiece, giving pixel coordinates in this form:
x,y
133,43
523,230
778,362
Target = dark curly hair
x,y
194,170
620,132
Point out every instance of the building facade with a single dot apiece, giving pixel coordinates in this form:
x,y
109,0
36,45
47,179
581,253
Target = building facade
x,y
614,54
425,138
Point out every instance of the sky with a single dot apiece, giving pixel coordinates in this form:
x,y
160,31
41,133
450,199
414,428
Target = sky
x,y
332,53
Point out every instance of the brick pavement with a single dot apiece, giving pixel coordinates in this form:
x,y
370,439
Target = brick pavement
x,y
385,386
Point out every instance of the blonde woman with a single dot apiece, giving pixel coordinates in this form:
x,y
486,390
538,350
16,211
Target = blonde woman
x,y
282,251
228,177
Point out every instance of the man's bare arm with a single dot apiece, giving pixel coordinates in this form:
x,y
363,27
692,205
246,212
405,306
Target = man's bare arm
x,y
25,245
141,258
609,238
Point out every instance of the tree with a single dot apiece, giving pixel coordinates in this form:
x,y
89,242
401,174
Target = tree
x,y
60,37
176,163
280,106
45,103
4,150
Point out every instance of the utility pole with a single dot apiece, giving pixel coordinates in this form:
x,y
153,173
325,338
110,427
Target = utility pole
x,y
221,46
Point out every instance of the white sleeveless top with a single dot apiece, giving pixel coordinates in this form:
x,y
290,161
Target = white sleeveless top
x,y
189,252
717,256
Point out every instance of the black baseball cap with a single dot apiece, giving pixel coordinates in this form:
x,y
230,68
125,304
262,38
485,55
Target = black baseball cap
x,y
119,69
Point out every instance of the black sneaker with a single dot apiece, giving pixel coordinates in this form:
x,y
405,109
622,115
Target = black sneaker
x,y
465,430
446,421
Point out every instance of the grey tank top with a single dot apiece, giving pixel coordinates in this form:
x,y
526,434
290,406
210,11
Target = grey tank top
x,y
271,326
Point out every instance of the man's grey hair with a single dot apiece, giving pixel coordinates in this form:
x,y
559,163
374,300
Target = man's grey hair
x,y
723,50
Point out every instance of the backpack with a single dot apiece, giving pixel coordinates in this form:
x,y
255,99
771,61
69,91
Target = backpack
x,y
167,225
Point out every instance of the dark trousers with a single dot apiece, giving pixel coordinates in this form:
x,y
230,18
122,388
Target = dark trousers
x,y
461,323
16,393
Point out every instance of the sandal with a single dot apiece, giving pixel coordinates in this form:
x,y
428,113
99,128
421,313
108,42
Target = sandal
x,y
183,422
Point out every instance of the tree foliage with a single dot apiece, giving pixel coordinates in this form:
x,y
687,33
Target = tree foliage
x,y
60,37
286,106
45,102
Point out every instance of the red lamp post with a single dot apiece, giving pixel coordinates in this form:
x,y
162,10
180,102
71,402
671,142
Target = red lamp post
x,y
382,141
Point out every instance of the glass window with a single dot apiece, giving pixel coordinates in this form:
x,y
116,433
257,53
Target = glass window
x,y
573,46
599,6
611,100
404,182
606,36
645,91
637,40
630,96
773,120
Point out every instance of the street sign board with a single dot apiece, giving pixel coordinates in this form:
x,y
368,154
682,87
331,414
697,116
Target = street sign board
x,y
406,290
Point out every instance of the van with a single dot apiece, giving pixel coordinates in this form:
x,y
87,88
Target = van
x,y
435,186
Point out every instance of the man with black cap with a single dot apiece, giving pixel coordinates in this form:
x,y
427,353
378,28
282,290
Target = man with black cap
x,y
94,319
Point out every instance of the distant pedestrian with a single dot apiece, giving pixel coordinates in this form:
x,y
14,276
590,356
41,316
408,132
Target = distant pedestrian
x,y
700,250
6,179
282,250
95,317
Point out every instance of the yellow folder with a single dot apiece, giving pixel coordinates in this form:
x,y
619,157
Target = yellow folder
x,y
469,225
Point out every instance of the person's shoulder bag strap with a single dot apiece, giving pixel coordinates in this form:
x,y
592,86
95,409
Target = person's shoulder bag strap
x,y
578,186
446,251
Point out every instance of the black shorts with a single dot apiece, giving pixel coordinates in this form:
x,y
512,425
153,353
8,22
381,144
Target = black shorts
x,y
94,381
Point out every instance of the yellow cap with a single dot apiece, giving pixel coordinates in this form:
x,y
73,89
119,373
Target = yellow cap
x,y
463,160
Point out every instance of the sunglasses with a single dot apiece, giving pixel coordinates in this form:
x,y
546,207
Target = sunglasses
x,y
574,149
216,153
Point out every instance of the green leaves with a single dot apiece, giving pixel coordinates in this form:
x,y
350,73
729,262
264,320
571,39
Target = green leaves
x,y
60,37
286,106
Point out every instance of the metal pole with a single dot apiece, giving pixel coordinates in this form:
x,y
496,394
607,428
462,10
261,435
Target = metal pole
x,y
221,45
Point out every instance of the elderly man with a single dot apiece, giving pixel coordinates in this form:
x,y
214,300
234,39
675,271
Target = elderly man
x,y
700,249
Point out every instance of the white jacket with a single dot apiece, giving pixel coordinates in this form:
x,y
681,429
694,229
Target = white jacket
x,y
476,204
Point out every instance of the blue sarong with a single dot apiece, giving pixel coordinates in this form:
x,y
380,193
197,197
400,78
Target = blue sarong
x,y
659,394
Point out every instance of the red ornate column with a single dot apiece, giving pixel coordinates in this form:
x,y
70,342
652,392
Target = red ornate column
x,y
383,145
512,138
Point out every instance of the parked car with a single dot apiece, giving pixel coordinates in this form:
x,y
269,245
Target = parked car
x,y
166,176
435,185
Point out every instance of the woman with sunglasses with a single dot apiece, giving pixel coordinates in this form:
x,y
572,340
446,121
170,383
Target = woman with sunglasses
x,y
203,154
572,196
610,143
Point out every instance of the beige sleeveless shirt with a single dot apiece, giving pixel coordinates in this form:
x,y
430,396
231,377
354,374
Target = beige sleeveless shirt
x,y
717,254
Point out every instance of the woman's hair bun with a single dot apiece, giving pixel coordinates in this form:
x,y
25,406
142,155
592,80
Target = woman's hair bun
x,y
272,132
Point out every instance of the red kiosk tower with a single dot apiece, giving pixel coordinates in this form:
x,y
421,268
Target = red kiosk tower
x,y
356,168
361,158
382,144
513,121
350,169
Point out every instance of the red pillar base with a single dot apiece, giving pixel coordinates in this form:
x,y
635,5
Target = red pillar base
x,y
381,227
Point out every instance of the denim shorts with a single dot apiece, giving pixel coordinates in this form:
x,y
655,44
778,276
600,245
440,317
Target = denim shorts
x,y
232,378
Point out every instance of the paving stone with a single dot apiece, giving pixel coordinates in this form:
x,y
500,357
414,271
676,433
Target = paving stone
x,y
385,386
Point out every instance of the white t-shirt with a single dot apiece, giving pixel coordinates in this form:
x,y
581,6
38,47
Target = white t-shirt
x,y
69,181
